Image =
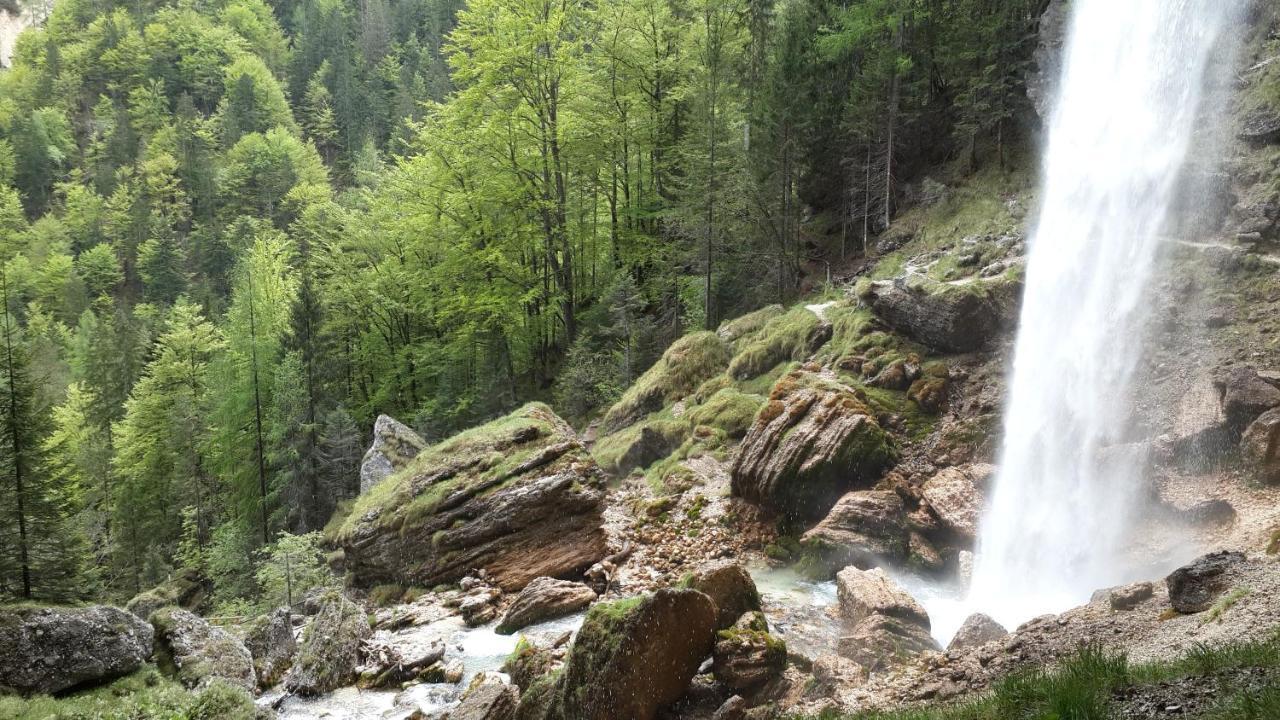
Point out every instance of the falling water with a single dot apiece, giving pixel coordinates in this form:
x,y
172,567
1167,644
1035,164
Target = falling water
x,y
1125,116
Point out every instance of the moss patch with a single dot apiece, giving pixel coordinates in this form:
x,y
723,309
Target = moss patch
x,y
730,410
790,336
685,365
640,445
742,328
144,695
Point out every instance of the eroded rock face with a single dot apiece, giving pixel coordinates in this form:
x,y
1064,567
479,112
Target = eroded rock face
x,y
48,650
519,498
879,642
201,652
543,599
331,647
955,495
977,630
746,656
813,441
1261,446
1042,79
730,587
864,593
630,659
863,528
271,643
394,446
1194,587
946,316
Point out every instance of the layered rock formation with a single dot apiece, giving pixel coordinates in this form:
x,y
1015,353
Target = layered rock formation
x,y
952,317
864,528
543,599
814,440
518,497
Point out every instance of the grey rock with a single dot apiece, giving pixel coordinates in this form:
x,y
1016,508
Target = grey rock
x,y
1128,597
200,652
394,446
948,317
1195,586
879,642
730,587
49,650
488,698
747,656
1042,79
955,495
863,528
1260,446
544,599
1245,396
331,647
863,593
977,630
271,642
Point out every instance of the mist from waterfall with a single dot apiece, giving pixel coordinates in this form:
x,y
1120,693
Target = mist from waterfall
x,y
1124,119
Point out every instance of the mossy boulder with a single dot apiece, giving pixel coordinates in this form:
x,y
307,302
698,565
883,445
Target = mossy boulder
x,y
957,316
270,641
394,446
52,649
631,659
639,446
331,647
813,441
198,652
744,326
794,335
746,656
730,410
187,589
690,361
519,497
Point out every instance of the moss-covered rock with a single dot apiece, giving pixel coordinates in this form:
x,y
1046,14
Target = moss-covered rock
x,y
519,497
52,649
187,589
199,652
746,655
744,326
730,410
270,641
394,446
331,646
812,441
729,586
793,335
630,659
954,317
690,361
639,446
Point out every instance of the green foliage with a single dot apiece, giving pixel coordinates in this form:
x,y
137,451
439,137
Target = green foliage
x,y
689,361
144,695
729,410
290,567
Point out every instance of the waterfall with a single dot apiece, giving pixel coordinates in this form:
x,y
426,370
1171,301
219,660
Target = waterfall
x,y
1124,119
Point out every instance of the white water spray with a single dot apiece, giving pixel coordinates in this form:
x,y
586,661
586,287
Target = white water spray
x,y
1133,78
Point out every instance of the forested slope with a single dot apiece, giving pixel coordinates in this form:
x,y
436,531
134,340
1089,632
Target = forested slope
x,y
233,233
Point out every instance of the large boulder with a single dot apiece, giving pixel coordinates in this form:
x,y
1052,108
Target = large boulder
x,y
863,593
331,648
813,441
49,650
199,652
690,361
519,497
955,495
1261,446
1195,586
543,599
1042,77
630,659
730,587
1245,396
976,631
864,528
187,589
270,641
952,317
489,697
878,642
746,655
394,446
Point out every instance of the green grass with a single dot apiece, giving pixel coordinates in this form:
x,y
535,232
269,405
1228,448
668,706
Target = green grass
x,y
740,328
1083,687
1225,603
145,695
730,410
689,362
611,451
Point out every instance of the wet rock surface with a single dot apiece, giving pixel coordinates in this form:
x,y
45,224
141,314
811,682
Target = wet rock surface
x,y
543,599
49,650
945,316
863,528
1195,586
746,655
730,587
331,648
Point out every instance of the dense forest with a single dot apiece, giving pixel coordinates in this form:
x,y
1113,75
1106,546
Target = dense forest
x,y
233,232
